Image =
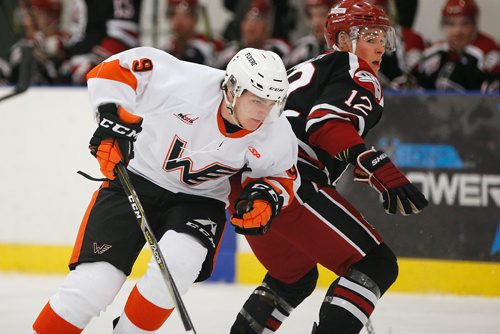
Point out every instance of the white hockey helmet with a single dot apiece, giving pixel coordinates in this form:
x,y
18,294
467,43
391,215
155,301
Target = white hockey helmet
x,y
260,72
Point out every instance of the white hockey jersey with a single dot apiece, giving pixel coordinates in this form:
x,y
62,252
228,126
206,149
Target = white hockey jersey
x,y
183,146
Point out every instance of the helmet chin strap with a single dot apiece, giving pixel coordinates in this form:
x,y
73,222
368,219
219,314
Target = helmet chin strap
x,y
353,44
230,108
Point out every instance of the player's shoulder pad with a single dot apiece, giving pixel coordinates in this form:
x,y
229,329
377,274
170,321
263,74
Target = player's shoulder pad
x,y
362,74
279,132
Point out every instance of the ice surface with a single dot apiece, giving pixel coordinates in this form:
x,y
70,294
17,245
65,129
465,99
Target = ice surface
x,y
212,308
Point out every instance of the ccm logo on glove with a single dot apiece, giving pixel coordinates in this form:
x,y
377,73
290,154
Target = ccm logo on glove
x,y
119,129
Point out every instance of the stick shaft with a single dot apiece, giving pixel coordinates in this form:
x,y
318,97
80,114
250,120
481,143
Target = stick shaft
x,y
155,248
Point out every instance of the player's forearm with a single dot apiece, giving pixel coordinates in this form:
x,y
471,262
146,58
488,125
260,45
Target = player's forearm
x,y
340,139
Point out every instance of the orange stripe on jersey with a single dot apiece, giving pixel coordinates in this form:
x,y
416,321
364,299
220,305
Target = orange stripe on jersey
x,y
144,314
81,232
49,322
112,70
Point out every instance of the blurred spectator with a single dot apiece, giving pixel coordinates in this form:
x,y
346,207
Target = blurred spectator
x,y
99,28
467,59
285,17
396,70
185,43
313,44
9,34
256,28
40,20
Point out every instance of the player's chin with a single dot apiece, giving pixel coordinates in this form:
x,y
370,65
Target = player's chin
x,y
252,124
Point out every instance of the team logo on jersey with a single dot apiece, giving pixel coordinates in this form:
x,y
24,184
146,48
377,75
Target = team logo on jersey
x,y
175,161
101,249
254,151
369,81
186,118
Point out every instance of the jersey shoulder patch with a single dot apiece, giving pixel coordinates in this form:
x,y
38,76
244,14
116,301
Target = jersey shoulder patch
x,y
364,77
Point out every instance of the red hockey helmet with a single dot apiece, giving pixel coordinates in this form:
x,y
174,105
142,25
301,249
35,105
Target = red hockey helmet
x,y
460,8
51,6
259,8
350,16
188,6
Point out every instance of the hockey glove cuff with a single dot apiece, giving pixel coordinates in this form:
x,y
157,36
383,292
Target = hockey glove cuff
x,y
257,204
397,192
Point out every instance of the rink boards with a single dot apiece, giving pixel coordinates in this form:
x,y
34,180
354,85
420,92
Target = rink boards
x,y
415,275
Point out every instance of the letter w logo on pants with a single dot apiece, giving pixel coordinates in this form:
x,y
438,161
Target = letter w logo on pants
x,y
101,249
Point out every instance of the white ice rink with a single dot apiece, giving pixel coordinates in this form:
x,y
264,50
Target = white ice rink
x,y
212,308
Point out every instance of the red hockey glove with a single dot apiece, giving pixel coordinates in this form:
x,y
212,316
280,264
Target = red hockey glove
x,y
257,204
376,169
113,141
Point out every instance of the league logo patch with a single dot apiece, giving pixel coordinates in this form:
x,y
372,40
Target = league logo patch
x,y
186,118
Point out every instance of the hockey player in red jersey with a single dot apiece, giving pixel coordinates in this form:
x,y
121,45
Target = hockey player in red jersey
x,y
333,102
183,129
467,60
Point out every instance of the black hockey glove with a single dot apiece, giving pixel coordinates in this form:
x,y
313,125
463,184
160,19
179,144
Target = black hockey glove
x,y
397,192
256,206
113,141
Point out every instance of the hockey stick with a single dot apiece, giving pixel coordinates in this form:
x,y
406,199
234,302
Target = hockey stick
x,y
122,173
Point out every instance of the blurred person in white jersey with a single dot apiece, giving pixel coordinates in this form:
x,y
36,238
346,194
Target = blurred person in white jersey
x,y
183,129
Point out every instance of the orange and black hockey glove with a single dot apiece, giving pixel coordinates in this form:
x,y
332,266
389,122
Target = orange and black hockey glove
x,y
397,192
113,141
257,204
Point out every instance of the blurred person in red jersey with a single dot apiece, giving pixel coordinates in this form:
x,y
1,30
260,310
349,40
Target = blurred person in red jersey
x,y
314,43
255,29
184,42
98,29
41,21
467,59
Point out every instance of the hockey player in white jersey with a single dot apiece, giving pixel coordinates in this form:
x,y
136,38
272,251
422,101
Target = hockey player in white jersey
x,y
183,129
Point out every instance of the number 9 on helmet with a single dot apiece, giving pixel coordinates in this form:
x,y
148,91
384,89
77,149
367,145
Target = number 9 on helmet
x,y
260,72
